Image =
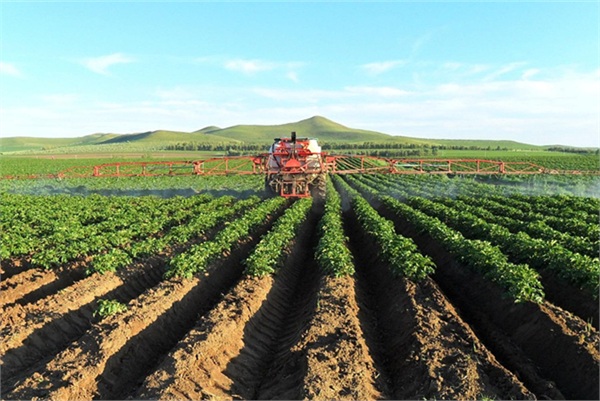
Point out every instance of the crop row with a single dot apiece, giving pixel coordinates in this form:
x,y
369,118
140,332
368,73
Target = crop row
x,y
543,249
580,270
268,254
332,253
53,240
571,227
536,229
520,281
541,201
164,186
576,189
197,258
208,217
400,253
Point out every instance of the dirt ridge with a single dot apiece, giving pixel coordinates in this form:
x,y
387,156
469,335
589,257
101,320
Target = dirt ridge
x,y
114,354
36,331
438,356
234,340
35,283
531,331
334,346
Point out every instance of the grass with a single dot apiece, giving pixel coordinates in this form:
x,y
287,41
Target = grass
x,y
325,130
52,164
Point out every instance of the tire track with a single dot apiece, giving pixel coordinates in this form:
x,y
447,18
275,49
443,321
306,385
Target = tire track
x,y
227,353
116,354
335,347
425,349
293,310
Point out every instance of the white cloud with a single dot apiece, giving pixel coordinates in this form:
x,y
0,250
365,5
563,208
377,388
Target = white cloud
x,y
249,66
530,73
377,91
292,76
505,69
301,95
100,65
10,69
60,99
452,65
380,67
255,66
464,69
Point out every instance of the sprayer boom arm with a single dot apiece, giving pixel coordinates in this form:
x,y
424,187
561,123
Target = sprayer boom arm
x,y
332,164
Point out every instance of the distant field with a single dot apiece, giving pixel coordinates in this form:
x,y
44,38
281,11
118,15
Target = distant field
x,y
52,164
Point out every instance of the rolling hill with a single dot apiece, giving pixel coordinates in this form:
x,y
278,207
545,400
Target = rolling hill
x,y
162,136
317,127
21,143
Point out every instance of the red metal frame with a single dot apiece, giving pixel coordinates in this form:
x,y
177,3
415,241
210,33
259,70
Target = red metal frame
x,y
211,166
464,166
334,164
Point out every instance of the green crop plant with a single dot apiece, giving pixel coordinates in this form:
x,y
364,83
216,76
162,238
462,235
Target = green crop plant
x,y
108,307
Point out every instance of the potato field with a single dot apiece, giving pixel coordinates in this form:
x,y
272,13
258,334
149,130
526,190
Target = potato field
x,y
392,287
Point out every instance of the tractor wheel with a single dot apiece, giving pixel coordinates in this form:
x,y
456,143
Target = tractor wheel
x,y
268,188
320,188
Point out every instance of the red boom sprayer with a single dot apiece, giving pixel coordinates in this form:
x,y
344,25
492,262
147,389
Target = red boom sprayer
x,y
295,167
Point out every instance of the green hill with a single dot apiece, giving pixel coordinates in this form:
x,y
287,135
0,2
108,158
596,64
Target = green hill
x,y
483,143
329,131
208,129
21,143
162,136
325,130
315,127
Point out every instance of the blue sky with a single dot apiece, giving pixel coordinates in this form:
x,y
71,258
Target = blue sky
x,y
486,70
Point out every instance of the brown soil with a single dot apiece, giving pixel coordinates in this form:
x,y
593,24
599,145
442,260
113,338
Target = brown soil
x,y
554,352
37,330
10,267
295,335
195,368
226,354
115,353
111,354
427,349
337,358
568,297
33,284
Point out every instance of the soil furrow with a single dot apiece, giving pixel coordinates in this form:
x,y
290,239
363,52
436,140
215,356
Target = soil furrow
x,y
567,296
29,331
334,348
34,284
564,353
115,355
226,354
426,349
195,369
24,325
284,369
16,265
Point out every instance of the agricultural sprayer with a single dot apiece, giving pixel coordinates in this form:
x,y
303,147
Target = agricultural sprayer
x,y
296,167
